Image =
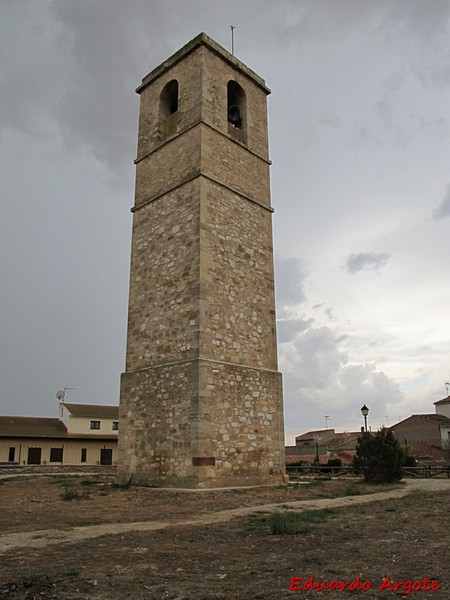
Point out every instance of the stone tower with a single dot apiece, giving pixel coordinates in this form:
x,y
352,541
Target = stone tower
x,y
201,398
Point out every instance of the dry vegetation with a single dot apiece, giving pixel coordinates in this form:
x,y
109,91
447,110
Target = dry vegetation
x,y
252,557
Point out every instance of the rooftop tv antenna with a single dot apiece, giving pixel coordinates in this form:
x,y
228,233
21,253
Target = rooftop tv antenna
x,y
232,27
447,383
61,395
327,418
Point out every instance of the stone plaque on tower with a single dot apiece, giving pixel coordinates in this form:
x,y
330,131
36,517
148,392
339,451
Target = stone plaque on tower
x,y
201,397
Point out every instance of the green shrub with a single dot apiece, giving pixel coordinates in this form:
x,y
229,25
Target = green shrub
x,y
379,458
410,460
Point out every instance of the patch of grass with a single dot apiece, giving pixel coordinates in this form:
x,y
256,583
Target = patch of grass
x,y
89,482
358,488
8,478
317,482
385,487
44,577
70,494
288,522
352,490
29,578
256,522
72,571
63,477
292,523
417,493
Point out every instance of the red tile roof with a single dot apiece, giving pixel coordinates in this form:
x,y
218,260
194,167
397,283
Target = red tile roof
x,y
32,427
443,401
430,417
93,410
43,427
313,435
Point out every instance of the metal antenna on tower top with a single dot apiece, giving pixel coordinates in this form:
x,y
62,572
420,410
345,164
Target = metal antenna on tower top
x,y
232,27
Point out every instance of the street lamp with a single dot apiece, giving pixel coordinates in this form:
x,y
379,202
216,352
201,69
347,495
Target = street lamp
x,y
365,412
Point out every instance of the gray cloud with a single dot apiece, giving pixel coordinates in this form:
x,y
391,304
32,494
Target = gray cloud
x,y
290,275
443,210
287,329
314,358
385,111
362,137
366,261
341,398
32,72
365,383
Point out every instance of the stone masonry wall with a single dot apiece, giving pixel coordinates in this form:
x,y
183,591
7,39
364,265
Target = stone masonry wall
x,y
237,318
202,77
174,163
216,75
189,77
164,281
242,408
235,423
234,166
158,419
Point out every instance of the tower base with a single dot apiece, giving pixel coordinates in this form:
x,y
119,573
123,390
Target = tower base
x,y
228,434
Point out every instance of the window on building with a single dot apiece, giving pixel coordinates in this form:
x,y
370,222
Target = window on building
x,y
34,456
95,424
168,109
106,456
169,99
115,425
236,111
83,454
11,454
56,455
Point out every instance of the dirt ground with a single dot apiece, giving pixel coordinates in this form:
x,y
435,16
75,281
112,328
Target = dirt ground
x,y
223,555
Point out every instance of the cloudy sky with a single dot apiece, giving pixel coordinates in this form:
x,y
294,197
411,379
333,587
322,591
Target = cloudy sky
x,y
360,144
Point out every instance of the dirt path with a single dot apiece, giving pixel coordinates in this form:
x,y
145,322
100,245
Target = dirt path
x,y
44,537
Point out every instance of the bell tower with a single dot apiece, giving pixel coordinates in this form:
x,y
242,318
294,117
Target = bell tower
x,y
201,396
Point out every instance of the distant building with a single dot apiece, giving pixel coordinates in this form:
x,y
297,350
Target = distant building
x,y
428,436
94,419
443,407
323,444
424,428
86,435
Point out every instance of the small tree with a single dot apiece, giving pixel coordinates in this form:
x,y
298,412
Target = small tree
x,y
379,458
